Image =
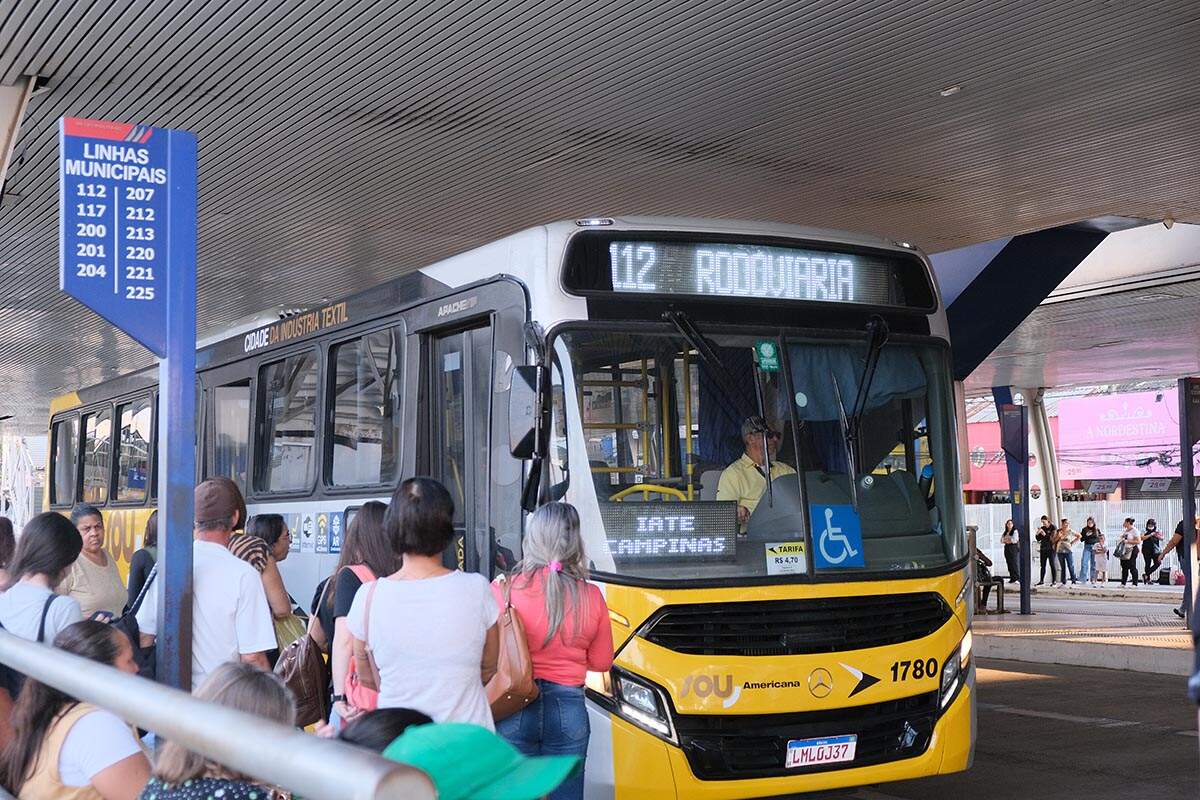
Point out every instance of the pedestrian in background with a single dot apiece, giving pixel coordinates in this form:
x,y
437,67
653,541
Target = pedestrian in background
x,y
1064,540
568,632
1012,551
1100,554
1152,542
1045,540
143,560
1089,536
67,749
8,545
94,579
1127,551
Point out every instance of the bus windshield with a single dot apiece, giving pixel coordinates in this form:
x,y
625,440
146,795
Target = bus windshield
x,y
663,447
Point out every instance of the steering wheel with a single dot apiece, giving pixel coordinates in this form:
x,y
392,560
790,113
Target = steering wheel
x,y
647,487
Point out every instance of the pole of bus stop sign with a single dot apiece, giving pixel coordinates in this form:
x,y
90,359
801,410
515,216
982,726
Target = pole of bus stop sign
x,y
1014,440
127,216
1189,434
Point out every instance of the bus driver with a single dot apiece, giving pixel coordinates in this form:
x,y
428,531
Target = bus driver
x,y
743,480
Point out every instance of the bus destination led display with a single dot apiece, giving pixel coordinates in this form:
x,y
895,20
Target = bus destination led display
x,y
748,270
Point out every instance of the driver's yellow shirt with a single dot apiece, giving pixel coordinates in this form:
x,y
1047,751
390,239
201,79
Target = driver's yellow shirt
x,y
743,481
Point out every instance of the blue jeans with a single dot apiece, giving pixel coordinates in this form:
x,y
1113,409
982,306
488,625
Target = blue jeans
x,y
1085,564
554,724
1066,561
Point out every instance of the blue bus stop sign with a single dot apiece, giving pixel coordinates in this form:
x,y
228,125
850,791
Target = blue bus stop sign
x,y
127,210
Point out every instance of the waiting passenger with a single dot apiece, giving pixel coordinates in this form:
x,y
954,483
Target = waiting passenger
x,y
94,579
568,632
265,543
426,636
368,552
230,616
1100,554
1012,550
1127,551
143,560
744,480
1089,536
1045,540
375,730
1152,542
259,553
1064,540
29,606
65,748
181,774
8,544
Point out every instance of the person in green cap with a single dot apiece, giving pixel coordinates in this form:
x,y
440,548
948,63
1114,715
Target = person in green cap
x,y
468,762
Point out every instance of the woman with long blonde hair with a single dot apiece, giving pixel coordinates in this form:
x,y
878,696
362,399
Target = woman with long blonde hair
x,y
568,633
182,774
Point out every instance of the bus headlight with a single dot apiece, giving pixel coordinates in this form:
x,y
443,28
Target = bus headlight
x,y
955,669
642,704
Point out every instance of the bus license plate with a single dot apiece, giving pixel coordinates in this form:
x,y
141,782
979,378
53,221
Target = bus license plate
x,y
828,750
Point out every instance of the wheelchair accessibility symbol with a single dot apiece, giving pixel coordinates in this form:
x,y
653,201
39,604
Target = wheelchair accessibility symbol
x,y
838,532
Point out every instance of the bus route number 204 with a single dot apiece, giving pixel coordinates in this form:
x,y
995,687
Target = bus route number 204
x,y
916,669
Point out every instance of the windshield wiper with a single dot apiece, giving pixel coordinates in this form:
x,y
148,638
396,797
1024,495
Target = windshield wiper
x,y
720,372
878,331
687,329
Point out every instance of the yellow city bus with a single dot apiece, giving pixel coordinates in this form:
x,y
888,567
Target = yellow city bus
x,y
820,640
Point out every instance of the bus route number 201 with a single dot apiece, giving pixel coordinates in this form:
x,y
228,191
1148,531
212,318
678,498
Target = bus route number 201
x,y
915,669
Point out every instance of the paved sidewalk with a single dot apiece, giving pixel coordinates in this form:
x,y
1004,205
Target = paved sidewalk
x,y
1112,633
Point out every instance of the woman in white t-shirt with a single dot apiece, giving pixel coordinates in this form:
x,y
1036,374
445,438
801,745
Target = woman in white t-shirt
x,y
426,636
29,608
63,748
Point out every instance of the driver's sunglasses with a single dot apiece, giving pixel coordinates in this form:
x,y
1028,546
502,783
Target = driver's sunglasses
x,y
771,434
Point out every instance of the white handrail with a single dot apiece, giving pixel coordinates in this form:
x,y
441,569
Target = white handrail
x,y
312,767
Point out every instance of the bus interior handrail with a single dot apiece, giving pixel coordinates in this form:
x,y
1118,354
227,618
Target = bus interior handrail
x,y
266,751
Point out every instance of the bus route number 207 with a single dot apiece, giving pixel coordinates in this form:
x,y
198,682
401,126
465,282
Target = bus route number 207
x,y
915,669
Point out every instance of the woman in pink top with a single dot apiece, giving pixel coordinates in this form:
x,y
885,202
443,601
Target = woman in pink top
x,y
566,623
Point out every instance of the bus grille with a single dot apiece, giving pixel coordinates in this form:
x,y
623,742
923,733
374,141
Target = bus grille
x,y
737,747
796,627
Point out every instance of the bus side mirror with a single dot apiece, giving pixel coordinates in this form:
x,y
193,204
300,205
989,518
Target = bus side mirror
x,y
524,410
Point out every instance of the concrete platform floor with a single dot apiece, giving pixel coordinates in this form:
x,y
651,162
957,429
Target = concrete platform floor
x,y
1051,732
1112,633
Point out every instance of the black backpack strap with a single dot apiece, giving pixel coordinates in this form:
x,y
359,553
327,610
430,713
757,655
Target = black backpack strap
x,y
45,611
137,603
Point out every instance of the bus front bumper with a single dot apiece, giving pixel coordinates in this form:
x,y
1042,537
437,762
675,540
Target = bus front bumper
x,y
653,769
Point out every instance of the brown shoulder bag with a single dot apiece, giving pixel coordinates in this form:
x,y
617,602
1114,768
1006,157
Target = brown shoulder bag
x,y
512,687
302,667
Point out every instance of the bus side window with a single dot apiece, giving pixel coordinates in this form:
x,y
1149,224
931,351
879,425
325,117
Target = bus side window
x,y
230,421
288,414
97,456
133,450
363,446
65,444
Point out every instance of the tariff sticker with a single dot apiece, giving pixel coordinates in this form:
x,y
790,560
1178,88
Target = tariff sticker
x,y
786,558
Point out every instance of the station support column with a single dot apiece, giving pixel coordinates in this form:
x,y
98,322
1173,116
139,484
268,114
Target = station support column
x,y
1189,435
1014,439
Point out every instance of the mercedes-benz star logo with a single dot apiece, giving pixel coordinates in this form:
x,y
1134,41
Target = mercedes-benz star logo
x,y
820,683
